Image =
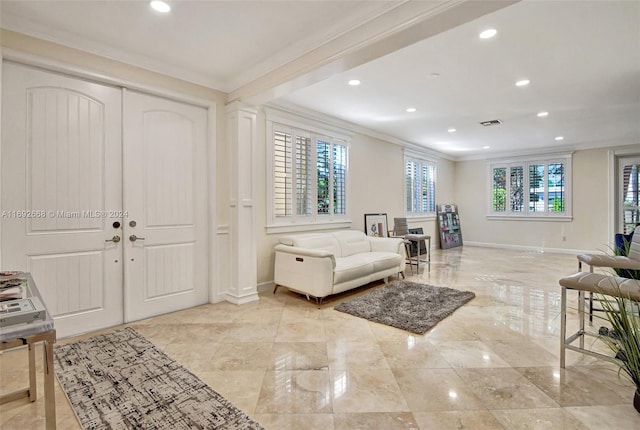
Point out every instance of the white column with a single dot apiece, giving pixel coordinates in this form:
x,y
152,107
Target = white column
x,y
241,139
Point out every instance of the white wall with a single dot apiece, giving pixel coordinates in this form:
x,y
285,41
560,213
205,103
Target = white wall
x,y
376,174
587,231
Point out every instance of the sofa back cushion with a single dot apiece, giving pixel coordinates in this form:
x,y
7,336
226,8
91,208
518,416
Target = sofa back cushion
x,y
352,242
322,241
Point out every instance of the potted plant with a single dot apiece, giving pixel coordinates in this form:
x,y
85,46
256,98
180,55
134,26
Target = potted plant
x,y
623,314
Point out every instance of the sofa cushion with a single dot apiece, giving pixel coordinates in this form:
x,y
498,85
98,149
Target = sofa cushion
x,y
352,267
352,242
325,242
384,260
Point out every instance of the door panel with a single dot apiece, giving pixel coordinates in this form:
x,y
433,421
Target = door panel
x,y
65,135
166,197
61,182
74,281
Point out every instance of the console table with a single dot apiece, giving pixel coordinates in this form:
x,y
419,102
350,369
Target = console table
x,y
29,334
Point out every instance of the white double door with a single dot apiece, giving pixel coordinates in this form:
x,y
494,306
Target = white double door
x,y
104,198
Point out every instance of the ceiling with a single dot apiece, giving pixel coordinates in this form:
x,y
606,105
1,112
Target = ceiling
x,y
582,59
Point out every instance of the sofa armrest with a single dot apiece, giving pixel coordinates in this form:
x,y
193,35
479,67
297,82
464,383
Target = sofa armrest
x,y
306,252
387,244
308,271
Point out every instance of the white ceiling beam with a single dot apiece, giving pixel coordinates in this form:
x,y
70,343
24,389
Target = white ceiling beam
x,y
410,22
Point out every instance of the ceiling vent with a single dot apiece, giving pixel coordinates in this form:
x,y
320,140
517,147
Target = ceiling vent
x,y
491,122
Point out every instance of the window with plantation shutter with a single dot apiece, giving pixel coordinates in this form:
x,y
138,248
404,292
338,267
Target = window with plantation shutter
x,y
420,186
529,188
629,200
309,182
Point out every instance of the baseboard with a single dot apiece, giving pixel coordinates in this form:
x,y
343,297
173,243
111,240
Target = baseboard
x,y
531,248
266,286
241,300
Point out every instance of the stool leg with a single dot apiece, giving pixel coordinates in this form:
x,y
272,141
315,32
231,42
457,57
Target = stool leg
x,y
429,255
581,315
590,302
407,249
563,324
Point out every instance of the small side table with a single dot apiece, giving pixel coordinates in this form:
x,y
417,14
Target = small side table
x,y
417,238
29,334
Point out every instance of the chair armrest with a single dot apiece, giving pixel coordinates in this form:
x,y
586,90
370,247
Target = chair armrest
x,y
614,262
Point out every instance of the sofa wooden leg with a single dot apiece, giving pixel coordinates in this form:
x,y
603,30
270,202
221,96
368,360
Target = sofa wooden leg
x,y
401,274
275,288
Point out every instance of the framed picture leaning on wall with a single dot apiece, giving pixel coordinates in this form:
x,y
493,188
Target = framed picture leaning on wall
x,y
376,225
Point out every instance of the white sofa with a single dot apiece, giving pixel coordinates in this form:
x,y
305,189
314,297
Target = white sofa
x,y
321,264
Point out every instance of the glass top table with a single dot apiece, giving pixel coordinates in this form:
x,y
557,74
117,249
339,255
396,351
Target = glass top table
x,y
28,334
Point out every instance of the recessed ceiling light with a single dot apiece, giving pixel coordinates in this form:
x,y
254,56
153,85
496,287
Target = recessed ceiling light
x,y
559,137
354,82
452,130
523,82
411,109
434,75
542,114
486,147
488,34
160,6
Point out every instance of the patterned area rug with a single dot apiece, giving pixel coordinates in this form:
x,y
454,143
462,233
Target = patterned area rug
x,y
120,380
407,305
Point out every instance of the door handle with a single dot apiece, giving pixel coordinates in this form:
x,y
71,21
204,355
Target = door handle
x,y
133,238
114,239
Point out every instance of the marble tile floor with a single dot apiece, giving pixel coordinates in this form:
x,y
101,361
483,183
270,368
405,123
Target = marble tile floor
x,y
493,364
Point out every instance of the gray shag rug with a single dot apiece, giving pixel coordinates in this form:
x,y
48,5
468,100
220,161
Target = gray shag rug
x,y
407,305
120,380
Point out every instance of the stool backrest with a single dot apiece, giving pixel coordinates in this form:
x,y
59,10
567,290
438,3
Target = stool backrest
x,y
401,227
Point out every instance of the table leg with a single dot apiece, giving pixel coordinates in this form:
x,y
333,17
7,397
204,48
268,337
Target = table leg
x,y
49,385
33,394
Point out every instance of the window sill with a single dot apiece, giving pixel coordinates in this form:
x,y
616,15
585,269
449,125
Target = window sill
x,y
302,227
421,217
561,218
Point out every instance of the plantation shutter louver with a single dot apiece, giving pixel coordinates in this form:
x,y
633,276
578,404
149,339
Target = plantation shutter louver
x,y
324,177
303,177
282,170
339,179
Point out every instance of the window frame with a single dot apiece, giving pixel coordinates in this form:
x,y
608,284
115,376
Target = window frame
x,y
525,163
423,161
314,220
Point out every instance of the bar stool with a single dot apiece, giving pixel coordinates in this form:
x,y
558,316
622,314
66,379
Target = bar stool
x,y
401,229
